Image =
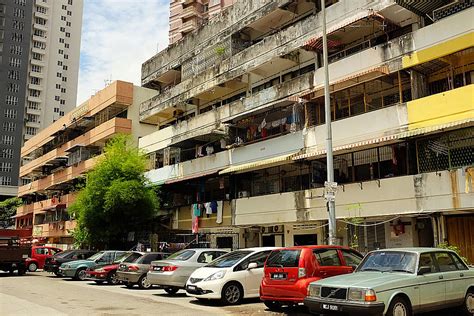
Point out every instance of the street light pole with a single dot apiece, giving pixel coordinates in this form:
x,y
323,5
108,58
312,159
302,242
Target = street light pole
x,y
329,186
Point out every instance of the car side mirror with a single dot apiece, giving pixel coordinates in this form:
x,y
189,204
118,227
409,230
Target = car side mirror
x,y
252,265
424,270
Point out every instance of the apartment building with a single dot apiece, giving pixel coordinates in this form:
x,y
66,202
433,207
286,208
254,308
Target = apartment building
x,y
240,117
187,15
15,32
40,52
60,155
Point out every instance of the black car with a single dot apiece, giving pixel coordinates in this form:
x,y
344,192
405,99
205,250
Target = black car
x,y
53,263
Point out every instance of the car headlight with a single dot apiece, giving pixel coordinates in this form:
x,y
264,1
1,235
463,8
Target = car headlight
x,y
216,276
356,294
314,290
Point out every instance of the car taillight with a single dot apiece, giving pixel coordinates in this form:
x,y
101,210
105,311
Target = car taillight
x,y
169,268
301,272
133,268
370,296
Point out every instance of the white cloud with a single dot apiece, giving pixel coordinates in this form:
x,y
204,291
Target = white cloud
x,y
117,37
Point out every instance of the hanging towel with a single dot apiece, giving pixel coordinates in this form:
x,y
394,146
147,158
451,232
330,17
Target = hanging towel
x,y
219,212
196,210
208,208
214,206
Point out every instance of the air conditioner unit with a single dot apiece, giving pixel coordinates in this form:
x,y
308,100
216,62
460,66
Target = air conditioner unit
x,y
243,194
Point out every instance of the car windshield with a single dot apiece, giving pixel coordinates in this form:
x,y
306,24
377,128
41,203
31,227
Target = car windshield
x,y
182,255
96,256
127,257
229,259
389,261
284,258
64,254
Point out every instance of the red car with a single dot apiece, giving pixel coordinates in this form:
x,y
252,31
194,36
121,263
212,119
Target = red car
x,y
288,271
108,273
39,255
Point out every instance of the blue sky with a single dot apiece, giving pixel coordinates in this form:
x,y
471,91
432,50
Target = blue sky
x,y
117,37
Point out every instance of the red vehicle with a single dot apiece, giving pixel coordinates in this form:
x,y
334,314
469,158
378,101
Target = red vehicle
x,y
39,255
288,271
100,274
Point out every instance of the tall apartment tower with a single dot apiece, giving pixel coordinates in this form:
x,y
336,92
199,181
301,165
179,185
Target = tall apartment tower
x,y
15,34
39,47
187,15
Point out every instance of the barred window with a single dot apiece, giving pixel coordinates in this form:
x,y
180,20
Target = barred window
x,y
447,151
5,180
15,62
14,74
13,87
6,167
11,100
10,113
6,153
9,126
8,139
16,49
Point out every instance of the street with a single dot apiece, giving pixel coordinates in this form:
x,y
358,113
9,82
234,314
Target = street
x,y
41,293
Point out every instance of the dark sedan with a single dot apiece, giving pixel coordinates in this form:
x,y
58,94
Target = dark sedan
x,y
53,263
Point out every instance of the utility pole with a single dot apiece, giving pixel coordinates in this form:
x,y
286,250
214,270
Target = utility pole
x,y
329,186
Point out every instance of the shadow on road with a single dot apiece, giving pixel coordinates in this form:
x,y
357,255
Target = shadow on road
x,y
166,295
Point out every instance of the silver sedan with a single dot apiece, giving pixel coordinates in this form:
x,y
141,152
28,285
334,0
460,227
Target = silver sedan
x,y
173,272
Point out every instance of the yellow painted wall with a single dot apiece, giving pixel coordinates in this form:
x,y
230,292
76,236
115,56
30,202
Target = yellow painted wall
x,y
441,108
185,221
446,48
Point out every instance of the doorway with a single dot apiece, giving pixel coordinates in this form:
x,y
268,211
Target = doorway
x,y
306,239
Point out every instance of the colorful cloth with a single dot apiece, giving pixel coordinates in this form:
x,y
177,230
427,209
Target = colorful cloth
x,y
208,208
213,206
219,212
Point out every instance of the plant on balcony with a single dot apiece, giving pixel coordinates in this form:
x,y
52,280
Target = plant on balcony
x,y
117,198
7,210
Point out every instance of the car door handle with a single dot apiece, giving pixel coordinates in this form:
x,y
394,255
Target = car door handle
x,y
461,275
440,277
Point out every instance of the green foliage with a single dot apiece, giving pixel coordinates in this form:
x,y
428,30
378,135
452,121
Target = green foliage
x,y
116,199
454,248
220,50
7,210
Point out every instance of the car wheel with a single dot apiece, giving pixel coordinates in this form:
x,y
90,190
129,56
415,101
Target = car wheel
x,y
32,267
143,283
469,303
399,307
112,278
129,285
272,305
171,290
232,293
99,282
80,274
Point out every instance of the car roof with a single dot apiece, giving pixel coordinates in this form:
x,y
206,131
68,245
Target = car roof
x,y
204,249
258,248
414,249
314,247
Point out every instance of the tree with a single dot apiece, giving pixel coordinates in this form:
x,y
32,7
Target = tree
x,y
117,198
7,210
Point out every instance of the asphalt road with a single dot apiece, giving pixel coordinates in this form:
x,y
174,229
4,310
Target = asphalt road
x,y
41,293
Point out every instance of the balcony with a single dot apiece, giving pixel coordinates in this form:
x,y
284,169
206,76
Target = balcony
x,y
40,27
407,195
41,15
36,75
38,62
98,134
35,87
33,124
189,26
42,3
38,50
54,229
189,12
42,39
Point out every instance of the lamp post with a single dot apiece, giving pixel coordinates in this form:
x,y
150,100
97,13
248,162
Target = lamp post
x,y
329,186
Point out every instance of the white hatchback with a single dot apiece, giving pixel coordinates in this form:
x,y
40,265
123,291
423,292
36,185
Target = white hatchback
x,y
230,278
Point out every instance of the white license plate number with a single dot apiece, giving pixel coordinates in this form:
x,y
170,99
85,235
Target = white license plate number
x,y
330,307
279,276
191,287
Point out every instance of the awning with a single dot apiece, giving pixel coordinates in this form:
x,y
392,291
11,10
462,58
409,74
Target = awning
x,y
21,215
316,44
260,163
315,153
74,147
193,176
352,80
51,208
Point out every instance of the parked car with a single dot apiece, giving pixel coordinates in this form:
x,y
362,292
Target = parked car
x,y
108,273
136,272
13,255
289,271
173,272
53,263
77,269
38,256
230,278
397,282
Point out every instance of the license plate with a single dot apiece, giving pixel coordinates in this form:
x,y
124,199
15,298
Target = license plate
x,y
191,287
330,307
279,276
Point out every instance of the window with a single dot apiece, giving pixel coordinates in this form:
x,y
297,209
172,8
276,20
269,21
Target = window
x,y
8,139
62,102
41,251
56,110
18,12
56,98
61,40
14,74
37,56
6,167
36,68
18,25
60,63
32,118
69,13
35,93
69,2
60,51
64,79
259,258
63,90
13,87
62,29
31,130
64,7
16,49
34,80
61,113
66,45
59,75
5,180
16,37
63,18
66,56
426,260
58,86
10,113
64,67
68,23
11,100
445,262
6,153
327,257
33,105
9,126
208,256
20,2
458,262
351,258
15,62
68,34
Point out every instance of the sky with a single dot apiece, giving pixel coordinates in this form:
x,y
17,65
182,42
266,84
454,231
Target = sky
x,y
117,37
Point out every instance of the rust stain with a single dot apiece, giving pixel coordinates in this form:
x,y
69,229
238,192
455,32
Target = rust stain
x,y
454,188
